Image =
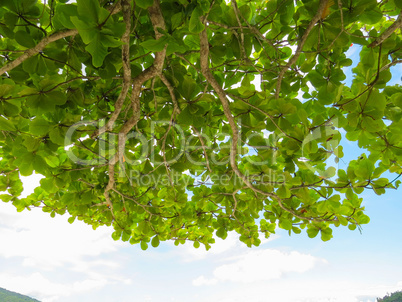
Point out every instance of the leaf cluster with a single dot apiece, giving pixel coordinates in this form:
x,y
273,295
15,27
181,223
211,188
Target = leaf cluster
x,y
185,120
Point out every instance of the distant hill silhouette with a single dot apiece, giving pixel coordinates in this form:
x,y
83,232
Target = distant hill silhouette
x,y
8,296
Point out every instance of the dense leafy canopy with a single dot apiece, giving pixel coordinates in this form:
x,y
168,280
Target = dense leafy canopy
x,y
146,115
394,297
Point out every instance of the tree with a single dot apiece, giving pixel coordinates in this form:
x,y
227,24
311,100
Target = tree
x,y
394,297
145,115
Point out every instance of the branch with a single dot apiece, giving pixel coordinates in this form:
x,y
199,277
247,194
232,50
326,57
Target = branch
x,y
177,109
389,65
397,24
237,13
204,62
44,42
299,49
125,56
187,61
157,20
266,114
38,48
203,148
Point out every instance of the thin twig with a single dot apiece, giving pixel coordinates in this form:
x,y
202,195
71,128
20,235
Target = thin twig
x,y
41,45
389,31
299,49
157,20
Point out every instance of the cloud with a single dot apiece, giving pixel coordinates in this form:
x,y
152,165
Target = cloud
x,y
302,288
261,265
43,248
49,242
201,280
41,287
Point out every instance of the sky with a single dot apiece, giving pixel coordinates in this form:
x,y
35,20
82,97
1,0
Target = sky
x,y
54,261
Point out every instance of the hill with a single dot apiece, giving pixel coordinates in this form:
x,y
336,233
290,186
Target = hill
x,y
8,296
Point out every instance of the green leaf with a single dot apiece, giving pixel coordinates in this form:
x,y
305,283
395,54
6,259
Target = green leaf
x,y
97,50
188,88
25,39
64,13
283,192
88,10
196,25
6,125
87,30
144,3
32,143
371,16
328,173
12,107
56,98
326,234
73,60
144,245
25,163
5,197
186,117
116,235
52,161
312,231
154,45
176,20
364,169
285,224
25,5
109,41
48,185
221,233
155,241
7,89
31,65
42,103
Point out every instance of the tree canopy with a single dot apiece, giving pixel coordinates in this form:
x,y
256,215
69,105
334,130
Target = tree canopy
x,y
394,297
187,119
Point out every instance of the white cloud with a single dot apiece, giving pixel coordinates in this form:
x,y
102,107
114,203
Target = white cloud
x,y
35,284
201,280
300,289
263,265
41,287
46,245
47,242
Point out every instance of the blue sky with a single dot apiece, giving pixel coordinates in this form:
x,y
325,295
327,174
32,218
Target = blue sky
x,y
53,261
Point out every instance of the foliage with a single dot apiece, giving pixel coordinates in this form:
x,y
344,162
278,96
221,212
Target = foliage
x,y
394,297
9,296
146,115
